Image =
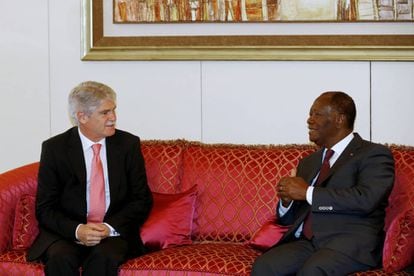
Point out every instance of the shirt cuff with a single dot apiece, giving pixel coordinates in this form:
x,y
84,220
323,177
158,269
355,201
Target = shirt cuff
x,y
76,232
282,209
112,231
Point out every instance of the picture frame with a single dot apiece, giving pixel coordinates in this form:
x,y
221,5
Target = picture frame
x,y
97,45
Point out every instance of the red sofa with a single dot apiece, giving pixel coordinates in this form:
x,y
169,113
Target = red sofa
x,y
210,201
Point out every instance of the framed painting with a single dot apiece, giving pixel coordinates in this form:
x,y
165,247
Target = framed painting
x,y
247,30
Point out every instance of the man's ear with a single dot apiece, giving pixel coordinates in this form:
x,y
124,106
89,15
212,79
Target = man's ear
x,y
341,120
82,117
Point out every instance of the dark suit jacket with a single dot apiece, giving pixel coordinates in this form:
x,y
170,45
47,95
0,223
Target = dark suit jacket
x,y
61,193
348,208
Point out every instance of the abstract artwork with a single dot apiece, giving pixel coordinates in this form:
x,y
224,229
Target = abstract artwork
x,y
185,11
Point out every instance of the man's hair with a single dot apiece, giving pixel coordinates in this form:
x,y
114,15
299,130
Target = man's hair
x,y
343,104
87,97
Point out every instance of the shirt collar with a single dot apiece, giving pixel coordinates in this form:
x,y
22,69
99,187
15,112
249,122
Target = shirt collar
x,y
87,143
339,147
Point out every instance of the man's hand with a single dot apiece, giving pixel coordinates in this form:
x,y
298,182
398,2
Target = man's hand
x,y
291,188
92,233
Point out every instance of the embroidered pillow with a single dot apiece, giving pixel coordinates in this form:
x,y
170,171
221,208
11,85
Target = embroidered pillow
x,y
25,227
268,235
399,243
170,221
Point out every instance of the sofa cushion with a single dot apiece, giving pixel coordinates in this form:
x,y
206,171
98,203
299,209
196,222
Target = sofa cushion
x,y
268,235
25,227
196,259
13,184
236,186
170,221
399,220
399,243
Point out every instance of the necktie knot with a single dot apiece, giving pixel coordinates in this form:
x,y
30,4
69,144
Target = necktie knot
x,y
328,155
96,148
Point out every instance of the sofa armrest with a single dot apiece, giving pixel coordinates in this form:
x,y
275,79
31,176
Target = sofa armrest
x,y
14,184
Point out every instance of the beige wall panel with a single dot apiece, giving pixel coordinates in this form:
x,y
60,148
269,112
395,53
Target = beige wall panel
x,y
24,82
268,102
393,102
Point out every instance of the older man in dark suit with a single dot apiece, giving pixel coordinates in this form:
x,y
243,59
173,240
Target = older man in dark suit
x,y
92,195
336,202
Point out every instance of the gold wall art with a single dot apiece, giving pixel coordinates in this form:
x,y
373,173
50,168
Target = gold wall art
x,y
124,30
158,11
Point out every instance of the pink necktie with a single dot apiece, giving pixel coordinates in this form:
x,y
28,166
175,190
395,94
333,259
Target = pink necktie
x,y
323,173
97,188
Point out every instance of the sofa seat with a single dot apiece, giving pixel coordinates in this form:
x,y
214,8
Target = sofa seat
x,y
13,263
196,259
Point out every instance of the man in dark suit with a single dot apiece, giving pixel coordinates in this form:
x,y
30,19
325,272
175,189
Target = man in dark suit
x,y
336,221
69,238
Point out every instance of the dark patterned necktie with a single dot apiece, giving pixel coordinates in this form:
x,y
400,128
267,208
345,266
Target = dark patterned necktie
x,y
323,173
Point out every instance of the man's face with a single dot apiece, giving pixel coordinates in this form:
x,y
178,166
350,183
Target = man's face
x,y
322,122
101,123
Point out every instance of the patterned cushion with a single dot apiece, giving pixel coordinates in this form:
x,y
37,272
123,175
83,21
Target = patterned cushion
x,y
213,258
163,161
402,195
399,220
170,221
13,184
25,227
399,243
236,186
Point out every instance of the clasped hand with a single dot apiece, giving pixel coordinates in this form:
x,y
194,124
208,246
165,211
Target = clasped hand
x,y
91,234
291,188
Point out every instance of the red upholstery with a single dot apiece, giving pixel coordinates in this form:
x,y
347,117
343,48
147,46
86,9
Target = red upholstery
x,y
268,235
379,272
236,196
14,184
170,222
214,258
399,241
163,163
25,227
237,186
14,263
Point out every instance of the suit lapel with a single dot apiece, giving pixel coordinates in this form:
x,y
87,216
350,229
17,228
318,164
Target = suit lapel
x,y
77,159
346,155
314,167
113,156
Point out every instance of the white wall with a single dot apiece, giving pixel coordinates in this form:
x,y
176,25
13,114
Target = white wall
x,y
211,101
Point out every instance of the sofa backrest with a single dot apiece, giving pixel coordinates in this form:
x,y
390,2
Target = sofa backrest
x,y
236,183
163,162
236,186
